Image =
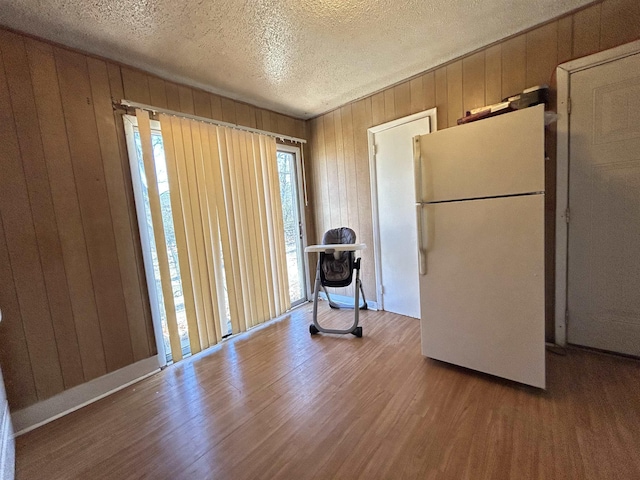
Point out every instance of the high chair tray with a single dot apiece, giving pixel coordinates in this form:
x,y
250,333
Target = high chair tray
x,y
336,247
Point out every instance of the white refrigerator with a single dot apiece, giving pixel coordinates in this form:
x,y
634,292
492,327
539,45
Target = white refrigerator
x,y
480,213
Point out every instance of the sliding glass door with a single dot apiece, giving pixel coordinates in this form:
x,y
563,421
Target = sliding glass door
x,y
293,216
221,228
150,253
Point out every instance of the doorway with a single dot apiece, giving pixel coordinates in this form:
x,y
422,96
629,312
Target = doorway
x,y
394,212
290,175
602,224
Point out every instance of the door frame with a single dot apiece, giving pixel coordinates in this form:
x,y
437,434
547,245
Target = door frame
x,y
377,254
130,122
301,187
563,75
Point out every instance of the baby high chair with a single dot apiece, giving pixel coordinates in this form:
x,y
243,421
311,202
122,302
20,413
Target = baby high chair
x,y
336,264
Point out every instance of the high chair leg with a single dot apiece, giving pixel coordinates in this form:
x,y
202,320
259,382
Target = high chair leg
x,y
315,327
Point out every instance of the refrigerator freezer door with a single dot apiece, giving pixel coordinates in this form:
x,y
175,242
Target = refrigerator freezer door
x,y
498,156
482,299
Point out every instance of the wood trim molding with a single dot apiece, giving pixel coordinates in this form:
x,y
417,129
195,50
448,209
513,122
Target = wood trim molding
x,y
599,58
562,203
75,398
7,443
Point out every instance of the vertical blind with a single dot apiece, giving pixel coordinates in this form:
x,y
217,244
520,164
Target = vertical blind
x,y
227,217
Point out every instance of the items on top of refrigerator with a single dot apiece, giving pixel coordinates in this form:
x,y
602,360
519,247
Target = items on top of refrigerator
x,y
528,98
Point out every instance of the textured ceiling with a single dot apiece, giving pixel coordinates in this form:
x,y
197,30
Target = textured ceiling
x,y
299,57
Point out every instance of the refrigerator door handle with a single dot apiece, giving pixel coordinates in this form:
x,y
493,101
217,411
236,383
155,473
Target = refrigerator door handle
x,y
422,247
417,168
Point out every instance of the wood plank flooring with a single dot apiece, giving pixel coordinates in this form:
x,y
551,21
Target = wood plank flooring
x,y
276,403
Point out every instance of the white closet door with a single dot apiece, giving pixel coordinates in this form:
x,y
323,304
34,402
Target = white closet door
x,y
397,217
604,201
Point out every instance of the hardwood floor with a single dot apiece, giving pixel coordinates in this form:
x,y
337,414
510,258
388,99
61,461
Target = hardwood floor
x,y
276,403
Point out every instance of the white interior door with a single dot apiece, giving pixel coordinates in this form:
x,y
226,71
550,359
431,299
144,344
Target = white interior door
x,y
398,237
603,277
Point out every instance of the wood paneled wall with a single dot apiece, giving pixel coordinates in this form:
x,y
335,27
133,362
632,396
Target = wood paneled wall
x,y
72,286
338,139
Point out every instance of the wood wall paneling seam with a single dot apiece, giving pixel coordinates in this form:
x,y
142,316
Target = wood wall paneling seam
x,y
46,99
94,204
23,251
116,87
14,355
43,217
119,210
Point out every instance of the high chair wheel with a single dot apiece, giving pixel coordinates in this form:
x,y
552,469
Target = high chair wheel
x,y
312,329
358,332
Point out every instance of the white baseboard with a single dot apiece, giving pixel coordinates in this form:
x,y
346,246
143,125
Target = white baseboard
x,y
75,398
7,445
371,305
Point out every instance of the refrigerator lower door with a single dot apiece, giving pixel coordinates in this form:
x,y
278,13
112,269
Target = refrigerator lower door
x,y
482,297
